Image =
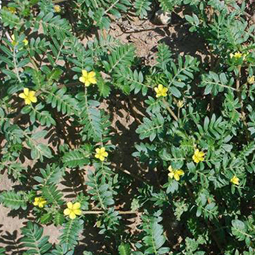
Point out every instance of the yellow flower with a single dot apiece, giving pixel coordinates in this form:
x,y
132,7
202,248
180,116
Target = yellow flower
x,y
161,91
175,173
25,41
13,40
39,201
235,180
101,153
237,55
72,210
57,8
88,78
198,156
28,96
11,9
180,103
251,79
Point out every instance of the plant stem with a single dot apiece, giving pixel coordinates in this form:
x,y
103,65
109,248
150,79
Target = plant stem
x,y
170,110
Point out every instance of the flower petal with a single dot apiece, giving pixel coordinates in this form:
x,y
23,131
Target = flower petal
x,y
93,80
22,95
171,175
81,79
180,172
25,41
76,206
27,101
67,211
31,93
91,74
84,72
195,159
26,91
70,205
101,158
33,99
176,177
87,83
77,211
72,215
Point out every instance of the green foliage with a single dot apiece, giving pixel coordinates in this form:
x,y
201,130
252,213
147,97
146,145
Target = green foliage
x,y
177,174
14,200
76,158
99,11
151,127
99,192
215,83
154,238
34,241
2,251
123,55
124,249
70,233
62,249
52,195
142,7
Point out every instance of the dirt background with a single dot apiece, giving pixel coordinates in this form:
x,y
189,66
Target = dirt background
x,y
125,116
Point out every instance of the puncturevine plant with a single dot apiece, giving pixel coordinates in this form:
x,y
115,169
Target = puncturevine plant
x,y
196,140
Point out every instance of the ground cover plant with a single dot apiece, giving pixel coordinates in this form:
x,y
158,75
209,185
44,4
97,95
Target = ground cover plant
x,y
192,191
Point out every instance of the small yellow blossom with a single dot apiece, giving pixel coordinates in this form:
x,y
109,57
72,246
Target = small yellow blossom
x,y
28,96
57,8
198,156
10,9
251,79
161,91
235,180
175,173
88,78
72,210
40,202
101,153
25,41
180,103
13,40
236,55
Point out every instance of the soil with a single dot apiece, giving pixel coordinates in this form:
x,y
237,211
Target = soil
x,y
126,113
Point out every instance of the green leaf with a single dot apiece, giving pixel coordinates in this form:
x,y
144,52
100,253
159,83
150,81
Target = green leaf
x,y
70,233
124,249
34,241
76,158
14,200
